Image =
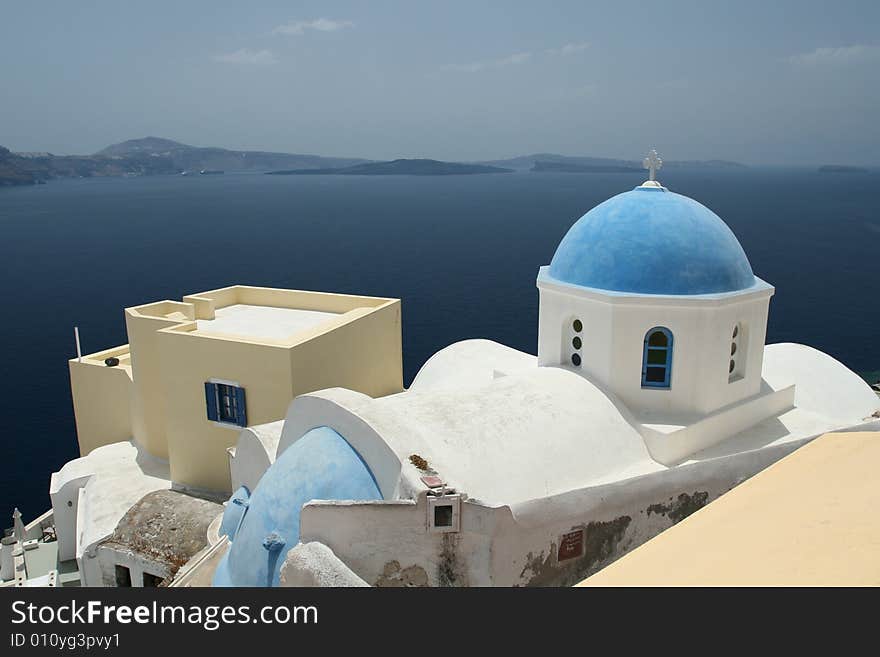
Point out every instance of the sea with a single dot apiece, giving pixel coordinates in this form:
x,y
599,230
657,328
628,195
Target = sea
x,y
462,252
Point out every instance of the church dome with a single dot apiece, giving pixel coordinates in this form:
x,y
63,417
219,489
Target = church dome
x,y
652,241
319,466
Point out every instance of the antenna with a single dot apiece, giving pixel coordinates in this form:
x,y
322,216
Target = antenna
x,y
79,353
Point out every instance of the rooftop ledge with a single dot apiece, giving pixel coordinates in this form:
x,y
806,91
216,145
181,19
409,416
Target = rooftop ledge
x,y
99,358
271,316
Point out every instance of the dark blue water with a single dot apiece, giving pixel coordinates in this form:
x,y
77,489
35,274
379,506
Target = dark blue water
x,y
461,251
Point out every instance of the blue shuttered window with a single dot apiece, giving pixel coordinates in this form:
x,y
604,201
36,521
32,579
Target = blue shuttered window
x,y
211,401
226,403
240,408
657,358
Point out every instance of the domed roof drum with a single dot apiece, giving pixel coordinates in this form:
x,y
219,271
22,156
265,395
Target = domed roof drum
x,y
652,241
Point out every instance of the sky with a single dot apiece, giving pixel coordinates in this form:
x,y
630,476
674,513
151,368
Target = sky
x,y
757,82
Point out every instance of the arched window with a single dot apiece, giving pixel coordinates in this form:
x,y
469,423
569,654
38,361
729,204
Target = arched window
x,y
657,358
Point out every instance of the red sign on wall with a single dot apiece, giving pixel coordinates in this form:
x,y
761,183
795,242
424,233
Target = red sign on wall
x,y
571,545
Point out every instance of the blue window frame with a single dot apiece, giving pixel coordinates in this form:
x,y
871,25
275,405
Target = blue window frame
x,y
225,402
657,358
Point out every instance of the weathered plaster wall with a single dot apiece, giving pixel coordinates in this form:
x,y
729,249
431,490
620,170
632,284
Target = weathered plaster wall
x,y
109,556
388,544
614,518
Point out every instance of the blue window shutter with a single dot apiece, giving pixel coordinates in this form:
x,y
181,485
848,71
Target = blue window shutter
x,y
240,408
211,401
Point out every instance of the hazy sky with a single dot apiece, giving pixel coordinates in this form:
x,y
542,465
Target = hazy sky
x,y
758,82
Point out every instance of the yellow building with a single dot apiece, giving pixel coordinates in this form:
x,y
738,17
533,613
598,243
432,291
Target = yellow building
x,y
195,372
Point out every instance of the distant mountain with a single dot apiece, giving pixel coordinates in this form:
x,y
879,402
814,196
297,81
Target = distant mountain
x,y
156,155
570,167
150,156
143,146
183,157
527,163
420,167
11,170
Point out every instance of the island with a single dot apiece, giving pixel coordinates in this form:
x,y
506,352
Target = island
x,y
402,167
159,156
841,168
572,167
151,156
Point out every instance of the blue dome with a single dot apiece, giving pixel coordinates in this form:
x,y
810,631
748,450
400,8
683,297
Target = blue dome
x,y
319,466
652,241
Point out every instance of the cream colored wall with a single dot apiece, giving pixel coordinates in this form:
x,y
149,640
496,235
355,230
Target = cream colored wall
x,y
102,398
197,446
148,402
363,355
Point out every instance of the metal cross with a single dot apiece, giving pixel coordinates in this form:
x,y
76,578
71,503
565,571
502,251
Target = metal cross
x,y
652,163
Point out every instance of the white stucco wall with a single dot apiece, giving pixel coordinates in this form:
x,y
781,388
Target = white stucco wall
x,y
388,543
64,491
470,363
823,385
671,444
615,325
92,493
253,454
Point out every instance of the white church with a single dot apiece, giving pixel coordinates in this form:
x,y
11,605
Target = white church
x,y
652,393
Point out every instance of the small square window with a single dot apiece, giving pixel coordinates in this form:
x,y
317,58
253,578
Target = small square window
x,y
443,515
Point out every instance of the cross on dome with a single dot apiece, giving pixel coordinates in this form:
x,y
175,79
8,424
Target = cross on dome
x,y
652,163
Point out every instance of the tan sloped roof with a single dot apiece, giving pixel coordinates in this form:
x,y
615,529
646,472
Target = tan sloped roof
x,y
812,518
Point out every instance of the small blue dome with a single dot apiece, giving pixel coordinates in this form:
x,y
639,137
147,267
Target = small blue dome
x,y
319,466
652,241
